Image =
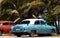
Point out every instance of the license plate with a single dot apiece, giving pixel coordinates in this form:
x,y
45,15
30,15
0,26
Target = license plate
x,y
17,29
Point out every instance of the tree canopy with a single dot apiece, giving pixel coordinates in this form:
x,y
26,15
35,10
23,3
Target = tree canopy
x,y
49,9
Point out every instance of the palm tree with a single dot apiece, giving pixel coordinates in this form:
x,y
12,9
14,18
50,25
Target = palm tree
x,y
30,8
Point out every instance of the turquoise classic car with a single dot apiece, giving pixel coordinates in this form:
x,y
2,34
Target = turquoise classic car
x,y
33,26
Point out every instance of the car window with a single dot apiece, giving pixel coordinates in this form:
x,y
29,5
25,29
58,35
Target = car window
x,y
37,22
11,23
42,22
5,23
25,22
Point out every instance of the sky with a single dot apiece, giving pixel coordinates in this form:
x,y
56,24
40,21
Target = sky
x,y
1,1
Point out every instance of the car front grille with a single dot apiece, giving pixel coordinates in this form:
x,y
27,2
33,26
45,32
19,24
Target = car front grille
x,y
18,28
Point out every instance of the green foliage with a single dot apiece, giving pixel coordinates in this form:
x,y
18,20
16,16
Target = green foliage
x,y
30,9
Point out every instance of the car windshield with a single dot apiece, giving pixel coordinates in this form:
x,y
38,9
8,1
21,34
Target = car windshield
x,y
25,22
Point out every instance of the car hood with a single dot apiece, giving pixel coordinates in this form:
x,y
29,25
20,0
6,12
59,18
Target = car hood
x,y
23,25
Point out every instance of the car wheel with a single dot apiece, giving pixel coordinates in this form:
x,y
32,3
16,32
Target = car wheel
x,y
18,35
32,34
40,35
53,33
0,33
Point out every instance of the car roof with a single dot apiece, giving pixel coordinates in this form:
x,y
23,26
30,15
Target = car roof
x,y
1,21
33,20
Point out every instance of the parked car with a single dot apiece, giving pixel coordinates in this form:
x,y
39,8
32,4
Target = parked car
x,y
33,26
5,26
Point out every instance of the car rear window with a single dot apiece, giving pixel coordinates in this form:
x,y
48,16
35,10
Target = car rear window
x,y
39,22
5,23
25,22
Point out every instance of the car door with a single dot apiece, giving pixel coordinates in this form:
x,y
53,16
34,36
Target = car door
x,y
6,26
40,26
46,27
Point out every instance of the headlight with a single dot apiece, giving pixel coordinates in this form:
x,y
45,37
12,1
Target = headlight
x,y
12,27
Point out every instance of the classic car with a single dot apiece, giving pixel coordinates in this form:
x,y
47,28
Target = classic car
x,y
33,26
5,26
